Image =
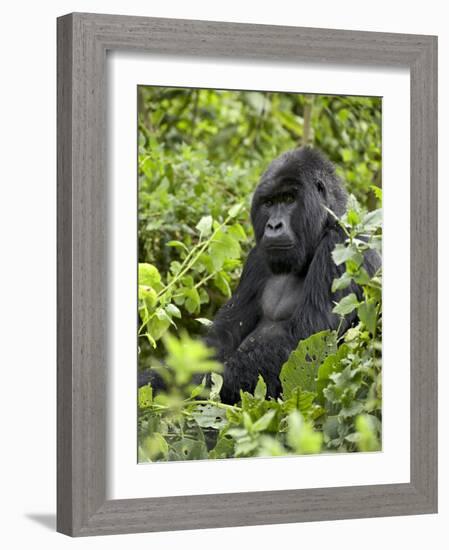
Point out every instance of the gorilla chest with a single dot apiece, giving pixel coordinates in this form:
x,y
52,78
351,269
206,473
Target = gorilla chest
x,y
281,296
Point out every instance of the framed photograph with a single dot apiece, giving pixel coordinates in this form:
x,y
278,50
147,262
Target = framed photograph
x,y
247,274
283,366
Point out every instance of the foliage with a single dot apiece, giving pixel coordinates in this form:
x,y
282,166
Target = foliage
x,y
331,386
216,250
201,153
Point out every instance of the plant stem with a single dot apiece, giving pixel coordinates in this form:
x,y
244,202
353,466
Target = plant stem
x,y
189,262
205,279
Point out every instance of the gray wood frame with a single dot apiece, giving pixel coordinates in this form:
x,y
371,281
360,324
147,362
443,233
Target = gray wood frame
x,y
83,40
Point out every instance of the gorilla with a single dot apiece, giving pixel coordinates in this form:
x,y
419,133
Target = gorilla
x,y
284,294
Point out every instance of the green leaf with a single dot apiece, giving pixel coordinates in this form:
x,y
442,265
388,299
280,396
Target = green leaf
x,y
162,315
237,232
172,310
301,437
352,409
333,363
153,447
197,390
235,210
247,422
346,304
157,327
367,312
343,386
151,340
217,384
343,253
223,247
206,261
221,282
204,296
366,426
301,401
149,275
342,282
148,295
187,357
269,446
189,449
362,277
352,204
352,334
145,397
372,220
245,446
302,365
264,421
353,218
330,427
209,416
292,122
224,447
377,191
178,244
261,389
193,300
346,155
343,115
175,267
204,226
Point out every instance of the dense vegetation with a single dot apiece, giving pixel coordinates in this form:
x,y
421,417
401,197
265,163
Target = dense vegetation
x,y
201,153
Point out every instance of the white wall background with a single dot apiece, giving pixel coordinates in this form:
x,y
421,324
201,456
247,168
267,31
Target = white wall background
x,y
27,276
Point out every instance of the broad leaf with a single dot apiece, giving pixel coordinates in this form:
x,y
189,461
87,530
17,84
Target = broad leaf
x,y
301,368
208,416
346,304
204,226
261,389
149,275
368,315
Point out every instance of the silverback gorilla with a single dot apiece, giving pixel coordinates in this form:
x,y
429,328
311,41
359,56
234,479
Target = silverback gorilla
x,y
284,294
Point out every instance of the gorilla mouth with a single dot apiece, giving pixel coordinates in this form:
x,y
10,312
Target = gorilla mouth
x,y
279,247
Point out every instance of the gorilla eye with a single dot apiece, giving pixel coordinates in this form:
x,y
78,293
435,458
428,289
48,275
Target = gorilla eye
x,y
289,198
268,203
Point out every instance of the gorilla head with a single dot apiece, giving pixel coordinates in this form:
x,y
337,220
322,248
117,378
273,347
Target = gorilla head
x,y
287,208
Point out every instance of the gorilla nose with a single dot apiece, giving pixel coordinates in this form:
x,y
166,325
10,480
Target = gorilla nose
x,y
274,227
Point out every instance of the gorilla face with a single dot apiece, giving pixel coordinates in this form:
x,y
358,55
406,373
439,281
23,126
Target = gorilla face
x,y
287,209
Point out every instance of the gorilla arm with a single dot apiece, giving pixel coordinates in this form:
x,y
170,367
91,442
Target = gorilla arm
x,y
264,353
240,315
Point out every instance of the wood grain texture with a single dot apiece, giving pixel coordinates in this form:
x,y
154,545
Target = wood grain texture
x,y
64,276
83,40
423,273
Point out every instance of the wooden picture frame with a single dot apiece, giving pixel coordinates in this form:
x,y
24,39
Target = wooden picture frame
x,y
83,40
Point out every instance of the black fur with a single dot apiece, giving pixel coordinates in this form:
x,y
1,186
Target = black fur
x,y
295,236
